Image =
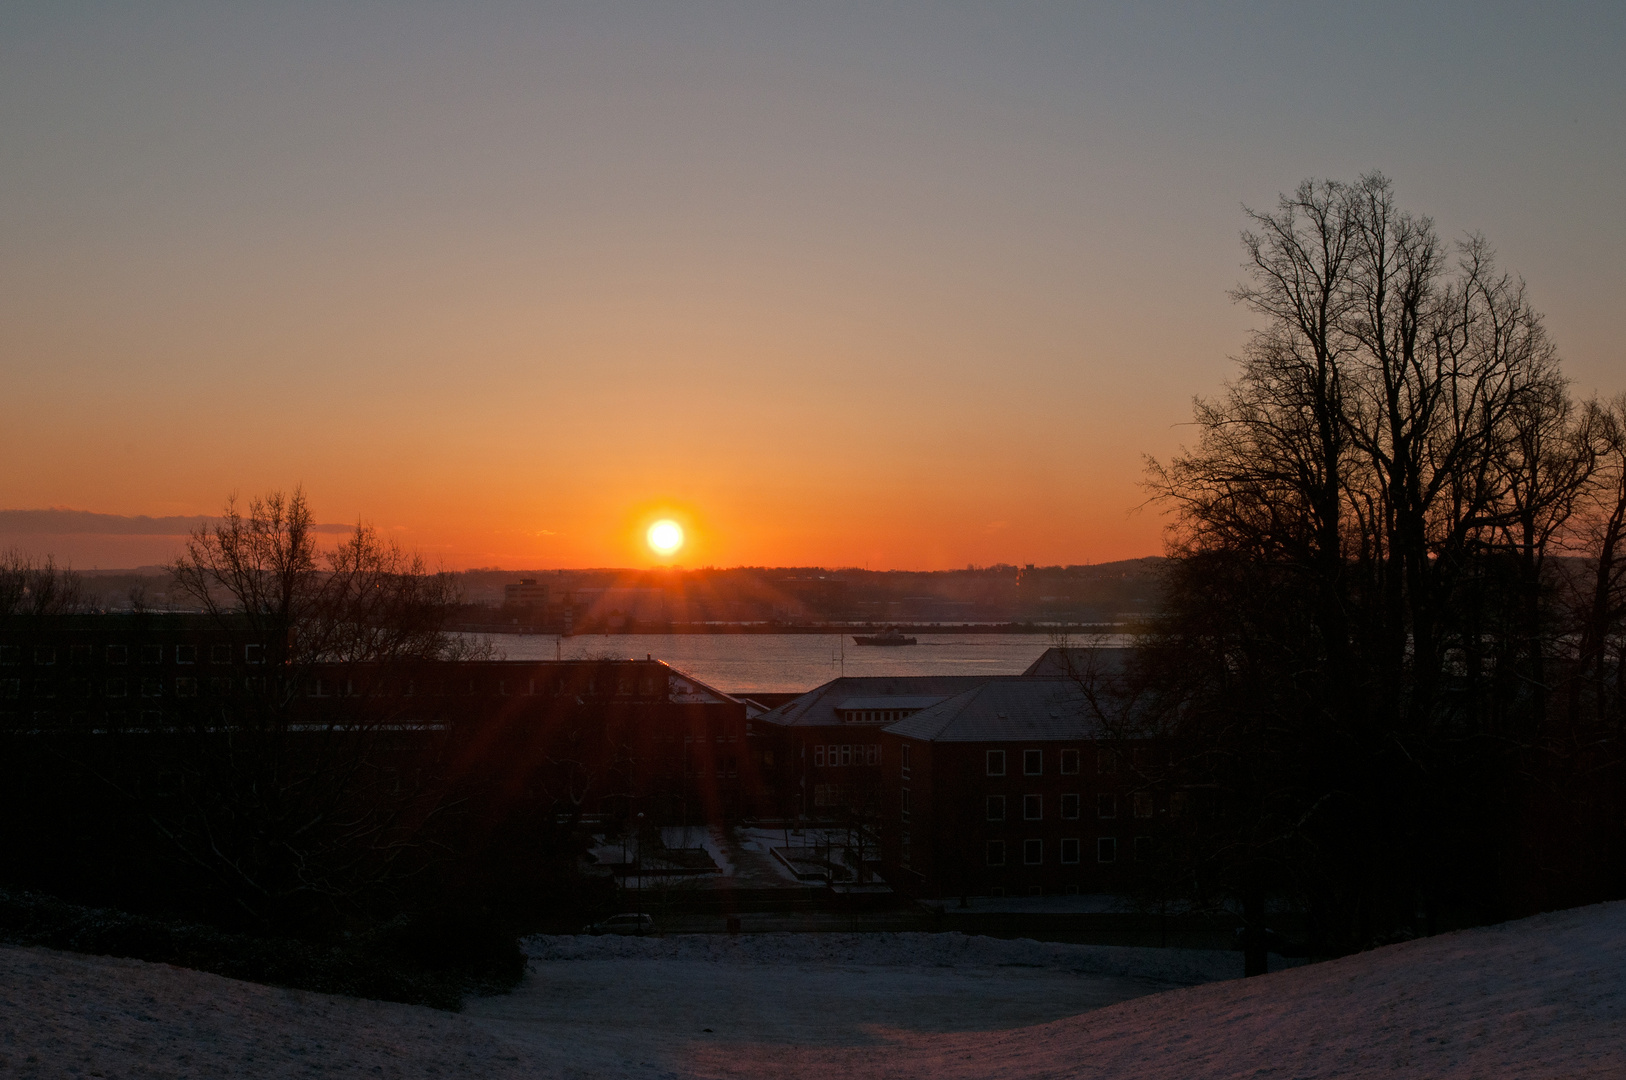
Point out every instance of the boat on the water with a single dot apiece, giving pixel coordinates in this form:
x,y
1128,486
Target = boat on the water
x,y
890,636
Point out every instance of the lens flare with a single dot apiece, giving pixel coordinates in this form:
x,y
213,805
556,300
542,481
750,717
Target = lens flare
x,y
665,537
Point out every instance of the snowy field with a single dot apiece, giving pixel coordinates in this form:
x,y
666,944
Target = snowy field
x,y
1545,997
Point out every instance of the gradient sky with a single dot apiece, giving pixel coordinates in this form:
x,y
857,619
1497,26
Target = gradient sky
x,y
892,285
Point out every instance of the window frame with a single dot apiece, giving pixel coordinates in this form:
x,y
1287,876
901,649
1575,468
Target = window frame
x,y
1073,799
1106,806
1106,850
990,759
1069,757
1032,762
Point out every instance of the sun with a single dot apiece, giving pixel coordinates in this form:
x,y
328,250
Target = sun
x,y
665,536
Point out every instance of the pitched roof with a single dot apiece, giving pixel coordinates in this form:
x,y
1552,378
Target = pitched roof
x,y
1017,708
822,704
1080,662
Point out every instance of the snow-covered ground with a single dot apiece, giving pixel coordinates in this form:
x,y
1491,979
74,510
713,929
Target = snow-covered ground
x,y
1544,997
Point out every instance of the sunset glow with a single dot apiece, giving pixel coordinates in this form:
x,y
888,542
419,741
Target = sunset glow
x,y
871,288
665,537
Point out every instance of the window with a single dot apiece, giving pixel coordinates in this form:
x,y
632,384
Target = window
x,y
1143,804
1032,807
152,654
152,688
11,689
44,688
1143,848
11,655
1106,849
186,687
905,807
904,757
1069,762
44,656
1069,807
1106,805
220,686
220,654
1177,803
115,688
1106,761
996,763
80,688
186,654
1032,852
818,757
996,808
80,654
1032,762
903,847
846,755
996,853
1069,851
254,654
117,654
872,755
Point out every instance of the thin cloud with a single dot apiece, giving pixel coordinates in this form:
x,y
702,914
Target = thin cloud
x,y
59,522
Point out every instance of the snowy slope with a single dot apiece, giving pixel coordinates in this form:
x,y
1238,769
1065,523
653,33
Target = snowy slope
x,y
1545,997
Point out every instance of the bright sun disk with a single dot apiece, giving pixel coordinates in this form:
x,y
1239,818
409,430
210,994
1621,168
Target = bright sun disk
x,y
665,537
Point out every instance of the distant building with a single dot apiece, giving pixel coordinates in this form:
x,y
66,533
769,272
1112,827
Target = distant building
x,y
526,595
1016,787
827,742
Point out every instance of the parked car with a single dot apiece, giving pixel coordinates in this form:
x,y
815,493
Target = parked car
x,y
628,923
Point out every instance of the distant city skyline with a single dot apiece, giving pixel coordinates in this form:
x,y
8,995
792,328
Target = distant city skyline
x,y
911,288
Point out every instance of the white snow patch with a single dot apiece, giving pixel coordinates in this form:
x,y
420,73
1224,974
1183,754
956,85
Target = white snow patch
x,y
1541,998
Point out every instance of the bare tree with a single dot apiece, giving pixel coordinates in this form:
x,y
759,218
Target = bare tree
x,y
1358,631
30,588
304,785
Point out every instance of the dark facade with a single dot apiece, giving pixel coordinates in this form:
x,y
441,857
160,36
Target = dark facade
x,y
1014,789
829,759
603,736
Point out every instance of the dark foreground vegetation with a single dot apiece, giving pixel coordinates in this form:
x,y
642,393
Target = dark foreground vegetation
x,y
281,825
1389,662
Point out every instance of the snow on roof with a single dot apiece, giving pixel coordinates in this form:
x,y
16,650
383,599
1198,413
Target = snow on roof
x,y
1079,662
1010,708
901,701
822,704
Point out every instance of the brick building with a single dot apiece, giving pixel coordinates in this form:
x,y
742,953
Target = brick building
x,y
828,758
1010,788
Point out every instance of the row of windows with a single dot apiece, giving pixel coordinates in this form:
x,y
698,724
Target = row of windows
x,y
1106,806
847,754
46,656
112,720
875,716
1106,761
1106,850
185,686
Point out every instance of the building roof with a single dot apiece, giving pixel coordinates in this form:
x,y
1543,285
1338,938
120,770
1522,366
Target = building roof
x,y
823,704
900,701
1018,708
1080,662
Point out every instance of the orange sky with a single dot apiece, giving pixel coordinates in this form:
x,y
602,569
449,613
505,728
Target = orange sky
x,y
911,289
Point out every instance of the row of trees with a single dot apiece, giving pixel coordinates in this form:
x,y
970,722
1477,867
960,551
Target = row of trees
x,y
1390,658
